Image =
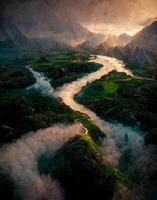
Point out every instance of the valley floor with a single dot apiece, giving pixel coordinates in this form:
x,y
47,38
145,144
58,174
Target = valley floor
x,y
102,157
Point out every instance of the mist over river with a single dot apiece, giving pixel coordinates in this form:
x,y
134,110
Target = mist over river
x,y
42,83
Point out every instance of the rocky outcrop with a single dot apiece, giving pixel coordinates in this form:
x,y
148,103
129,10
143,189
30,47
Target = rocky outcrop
x,y
141,51
59,72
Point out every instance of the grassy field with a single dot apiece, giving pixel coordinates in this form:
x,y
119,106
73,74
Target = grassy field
x,y
115,95
107,87
64,68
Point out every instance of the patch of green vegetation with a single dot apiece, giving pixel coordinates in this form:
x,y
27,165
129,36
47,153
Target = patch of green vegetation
x,y
12,78
107,87
22,111
126,99
64,68
98,90
143,70
84,174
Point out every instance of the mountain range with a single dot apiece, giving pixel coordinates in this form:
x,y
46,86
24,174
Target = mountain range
x,y
113,41
17,36
45,30
35,20
140,51
143,47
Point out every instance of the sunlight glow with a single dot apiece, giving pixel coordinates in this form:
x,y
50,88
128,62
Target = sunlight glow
x,y
109,29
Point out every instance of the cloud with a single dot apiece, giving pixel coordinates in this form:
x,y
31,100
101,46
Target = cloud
x,y
19,160
120,14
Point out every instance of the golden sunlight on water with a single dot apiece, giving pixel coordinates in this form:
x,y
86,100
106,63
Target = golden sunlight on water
x,y
68,91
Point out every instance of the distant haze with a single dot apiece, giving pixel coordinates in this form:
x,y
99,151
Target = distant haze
x,y
58,16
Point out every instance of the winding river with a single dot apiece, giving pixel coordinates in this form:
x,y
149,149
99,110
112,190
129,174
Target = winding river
x,y
68,91
24,153
115,142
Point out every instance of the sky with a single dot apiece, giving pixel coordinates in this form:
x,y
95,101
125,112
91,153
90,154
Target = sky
x,y
117,16
102,16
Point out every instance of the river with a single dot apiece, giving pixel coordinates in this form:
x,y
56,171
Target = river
x,y
24,152
115,142
68,91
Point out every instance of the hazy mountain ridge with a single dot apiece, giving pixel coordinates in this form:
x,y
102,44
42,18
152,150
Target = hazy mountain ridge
x,y
92,42
141,50
54,26
114,41
15,43
103,44
143,47
146,38
14,36
111,42
11,35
